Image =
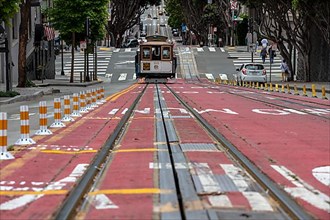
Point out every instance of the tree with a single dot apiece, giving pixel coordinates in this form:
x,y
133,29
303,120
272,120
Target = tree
x,y
25,8
289,24
71,22
8,8
125,15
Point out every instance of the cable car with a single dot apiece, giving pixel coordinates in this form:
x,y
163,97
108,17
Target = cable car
x,y
155,60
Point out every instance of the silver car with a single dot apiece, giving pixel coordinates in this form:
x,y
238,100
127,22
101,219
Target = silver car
x,y
252,72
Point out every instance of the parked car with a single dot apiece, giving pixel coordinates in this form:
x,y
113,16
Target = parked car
x,y
251,72
131,43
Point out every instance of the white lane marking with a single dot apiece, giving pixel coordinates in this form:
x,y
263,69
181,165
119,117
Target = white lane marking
x,y
235,174
101,201
220,201
116,50
128,49
322,174
113,111
223,76
212,49
25,199
206,177
257,201
303,190
225,110
209,76
122,77
144,111
199,49
222,49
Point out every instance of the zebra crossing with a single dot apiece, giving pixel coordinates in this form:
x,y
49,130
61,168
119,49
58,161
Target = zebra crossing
x,y
103,59
245,57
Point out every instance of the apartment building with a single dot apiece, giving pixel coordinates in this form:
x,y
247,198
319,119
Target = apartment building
x,y
39,48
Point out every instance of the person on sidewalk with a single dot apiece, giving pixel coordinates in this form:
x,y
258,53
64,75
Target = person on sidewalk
x,y
285,71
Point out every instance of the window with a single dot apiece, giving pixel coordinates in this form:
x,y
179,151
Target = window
x,y
166,53
156,53
146,53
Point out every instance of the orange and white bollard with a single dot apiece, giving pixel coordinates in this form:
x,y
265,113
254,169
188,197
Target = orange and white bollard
x,y
102,94
43,119
57,114
4,154
89,100
83,108
94,105
25,127
75,107
67,109
98,96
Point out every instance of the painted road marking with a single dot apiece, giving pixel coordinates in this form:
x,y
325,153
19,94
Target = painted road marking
x,y
257,201
220,201
122,77
52,187
322,174
225,110
102,201
206,177
235,174
303,190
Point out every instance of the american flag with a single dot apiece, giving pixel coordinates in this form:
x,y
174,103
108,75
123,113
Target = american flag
x,y
49,33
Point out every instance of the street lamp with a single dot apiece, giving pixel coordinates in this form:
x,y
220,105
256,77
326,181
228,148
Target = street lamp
x,y
62,63
5,49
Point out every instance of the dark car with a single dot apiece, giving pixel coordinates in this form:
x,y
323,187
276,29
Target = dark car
x,y
131,43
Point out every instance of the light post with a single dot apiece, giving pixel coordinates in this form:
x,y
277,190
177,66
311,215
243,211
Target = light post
x,y
62,63
5,49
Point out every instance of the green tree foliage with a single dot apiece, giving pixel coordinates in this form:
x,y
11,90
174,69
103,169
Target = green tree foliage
x,y
8,8
70,22
175,12
125,15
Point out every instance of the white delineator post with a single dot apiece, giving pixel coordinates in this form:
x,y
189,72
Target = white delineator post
x,y
25,127
67,109
43,119
4,154
57,114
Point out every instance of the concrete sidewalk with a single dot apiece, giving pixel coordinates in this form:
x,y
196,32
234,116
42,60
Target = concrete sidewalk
x,y
45,87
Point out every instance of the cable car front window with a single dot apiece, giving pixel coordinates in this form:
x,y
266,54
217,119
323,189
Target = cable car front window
x,y
156,53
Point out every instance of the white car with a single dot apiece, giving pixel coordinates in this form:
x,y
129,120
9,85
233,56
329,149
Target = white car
x,y
251,72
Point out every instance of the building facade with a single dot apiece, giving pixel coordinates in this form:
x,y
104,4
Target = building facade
x,y
40,63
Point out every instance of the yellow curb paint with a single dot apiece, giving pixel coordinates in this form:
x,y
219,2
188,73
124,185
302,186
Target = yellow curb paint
x,y
131,191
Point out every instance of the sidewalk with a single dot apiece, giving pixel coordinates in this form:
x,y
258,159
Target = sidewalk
x,y
45,87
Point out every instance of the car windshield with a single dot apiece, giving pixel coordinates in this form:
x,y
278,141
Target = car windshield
x,y
254,67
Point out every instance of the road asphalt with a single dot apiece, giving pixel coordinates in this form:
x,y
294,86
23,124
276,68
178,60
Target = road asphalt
x,y
49,86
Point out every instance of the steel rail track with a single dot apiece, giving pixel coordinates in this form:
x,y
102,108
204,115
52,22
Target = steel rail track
x,y
75,197
285,201
175,175
284,100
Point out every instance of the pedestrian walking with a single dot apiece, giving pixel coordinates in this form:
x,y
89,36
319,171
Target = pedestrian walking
x,y
285,71
264,42
263,54
272,53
